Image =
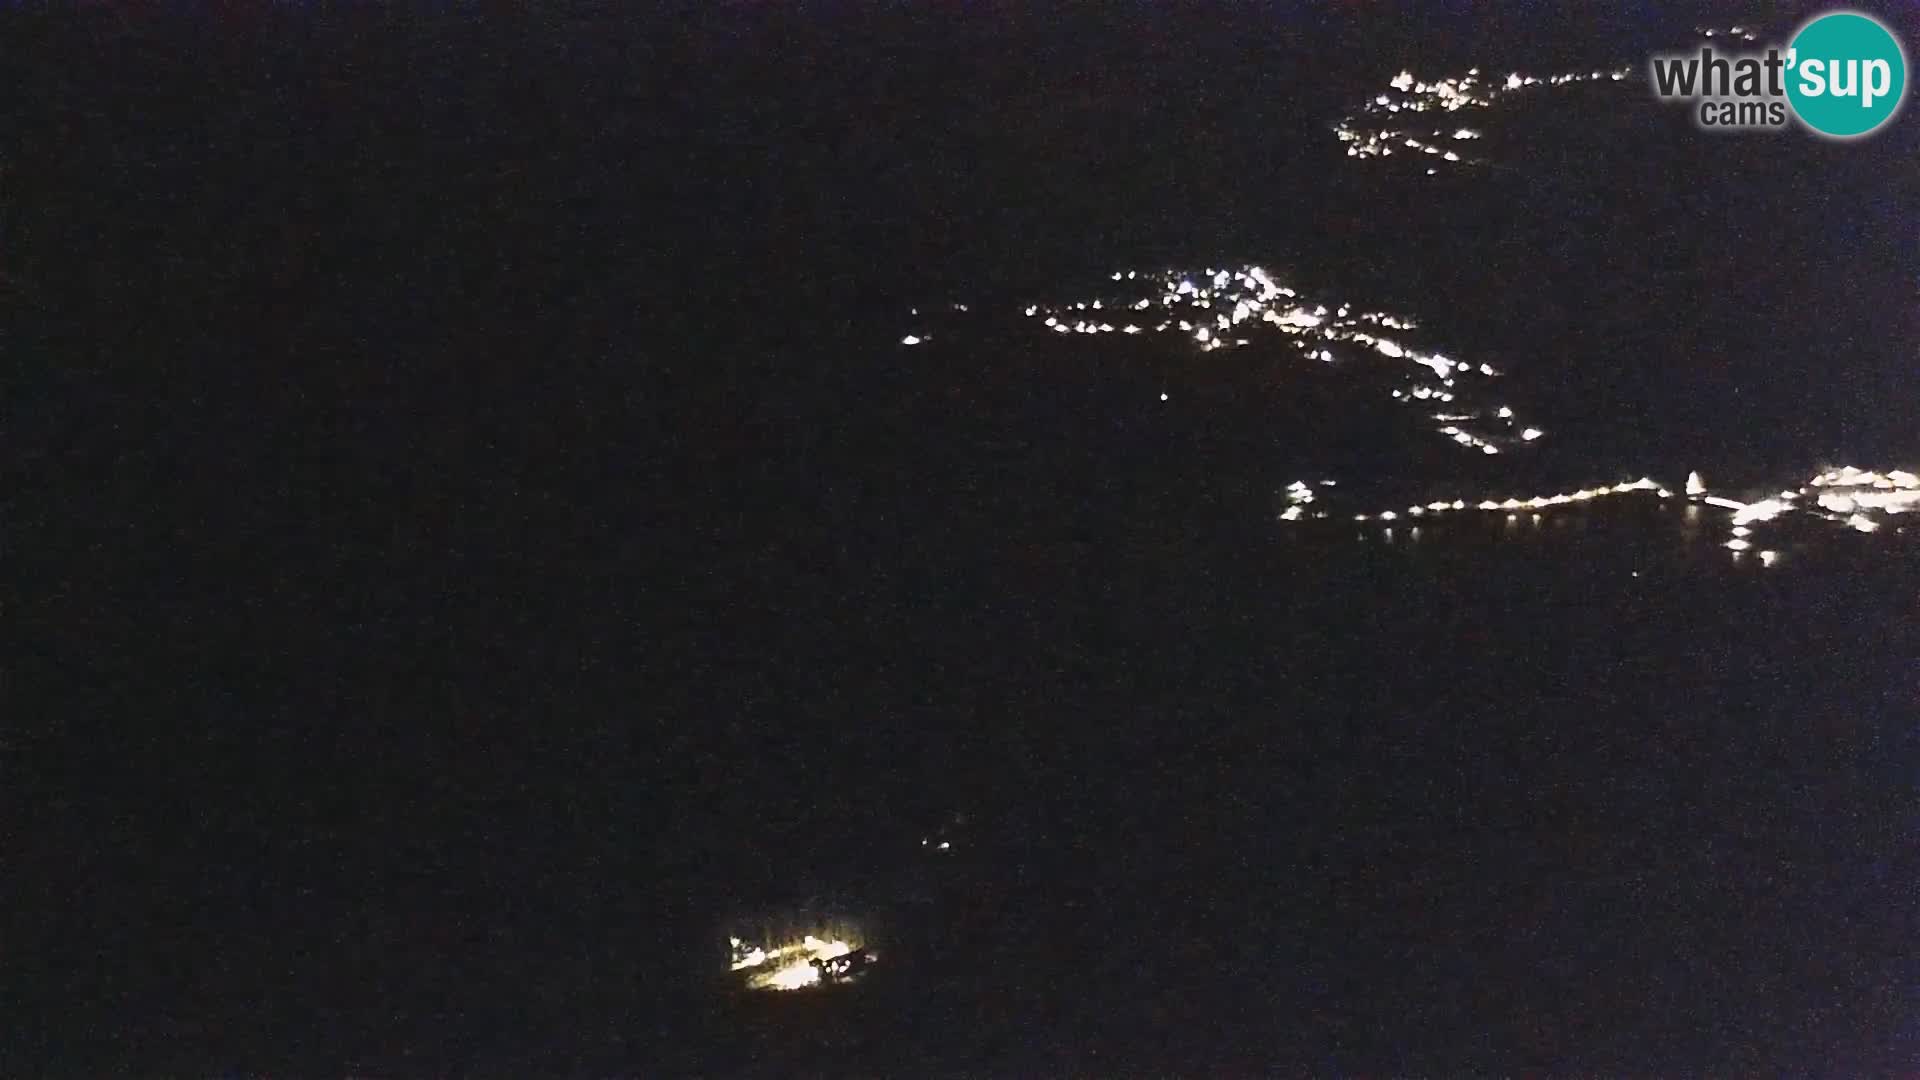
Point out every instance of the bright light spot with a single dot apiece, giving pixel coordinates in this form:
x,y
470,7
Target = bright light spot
x,y
1505,413
1695,485
945,845
1737,544
1862,523
1402,82
1768,558
794,963
791,977
1764,510
1531,434
910,339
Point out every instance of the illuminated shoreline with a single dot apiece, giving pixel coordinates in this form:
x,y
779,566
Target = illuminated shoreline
x,y
1859,500
1220,309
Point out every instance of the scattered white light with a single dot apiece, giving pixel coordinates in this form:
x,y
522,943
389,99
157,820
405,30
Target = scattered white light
x,y
1531,434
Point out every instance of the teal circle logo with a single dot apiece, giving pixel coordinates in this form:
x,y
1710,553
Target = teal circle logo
x,y
1846,74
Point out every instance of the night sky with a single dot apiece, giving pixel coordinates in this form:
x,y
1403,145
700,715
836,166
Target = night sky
x,y
476,534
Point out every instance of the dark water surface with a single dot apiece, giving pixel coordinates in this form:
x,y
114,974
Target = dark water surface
x,y
483,533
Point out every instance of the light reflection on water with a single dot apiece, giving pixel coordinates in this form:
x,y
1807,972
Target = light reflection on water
x,y
1640,537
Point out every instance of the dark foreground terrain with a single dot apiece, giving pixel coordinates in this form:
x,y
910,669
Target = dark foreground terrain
x,y
481,535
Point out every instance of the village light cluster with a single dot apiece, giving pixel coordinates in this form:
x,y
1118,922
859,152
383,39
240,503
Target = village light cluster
x,y
1377,129
788,967
1222,309
1855,498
